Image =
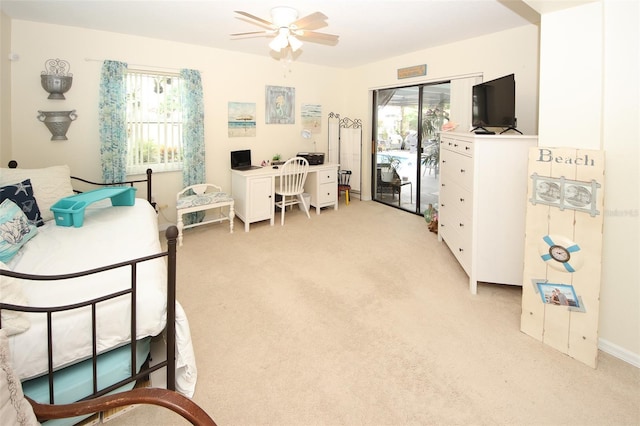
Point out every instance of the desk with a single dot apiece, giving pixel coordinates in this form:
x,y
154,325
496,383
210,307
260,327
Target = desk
x,y
253,191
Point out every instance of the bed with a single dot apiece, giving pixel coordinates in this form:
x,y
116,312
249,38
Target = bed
x,y
67,292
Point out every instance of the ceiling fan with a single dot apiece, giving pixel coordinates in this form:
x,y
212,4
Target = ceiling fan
x,y
287,28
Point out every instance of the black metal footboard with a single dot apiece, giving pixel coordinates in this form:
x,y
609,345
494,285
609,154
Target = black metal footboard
x,y
170,362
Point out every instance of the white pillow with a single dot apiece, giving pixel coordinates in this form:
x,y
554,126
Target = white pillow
x,y
13,322
14,408
49,184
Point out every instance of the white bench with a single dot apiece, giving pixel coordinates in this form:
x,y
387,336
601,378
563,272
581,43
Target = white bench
x,y
206,196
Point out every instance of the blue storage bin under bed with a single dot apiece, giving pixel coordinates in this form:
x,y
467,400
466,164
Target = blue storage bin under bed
x,y
73,383
70,210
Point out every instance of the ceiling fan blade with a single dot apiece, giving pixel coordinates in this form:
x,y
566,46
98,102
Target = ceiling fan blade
x,y
320,36
255,18
306,20
251,33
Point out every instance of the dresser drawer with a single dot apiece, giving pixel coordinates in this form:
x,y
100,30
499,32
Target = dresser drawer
x,y
457,168
458,244
456,145
450,216
461,224
454,196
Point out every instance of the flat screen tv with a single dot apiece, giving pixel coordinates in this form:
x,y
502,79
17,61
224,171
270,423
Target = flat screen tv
x,y
494,103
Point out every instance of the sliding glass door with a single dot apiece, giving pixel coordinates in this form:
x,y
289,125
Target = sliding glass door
x,y
405,163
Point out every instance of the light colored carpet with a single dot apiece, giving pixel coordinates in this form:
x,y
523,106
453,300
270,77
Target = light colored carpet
x,y
361,317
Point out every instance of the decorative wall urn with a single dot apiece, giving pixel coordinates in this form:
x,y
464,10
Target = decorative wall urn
x,y
56,85
57,122
56,79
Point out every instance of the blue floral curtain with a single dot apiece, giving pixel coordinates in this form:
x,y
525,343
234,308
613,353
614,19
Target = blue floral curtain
x,y
112,121
193,165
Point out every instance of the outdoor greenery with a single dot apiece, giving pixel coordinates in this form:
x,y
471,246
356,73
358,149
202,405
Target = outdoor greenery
x,y
172,154
431,154
150,152
432,121
146,151
391,161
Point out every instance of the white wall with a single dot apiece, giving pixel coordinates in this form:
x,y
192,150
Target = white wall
x,y
570,77
589,98
5,87
512,51
229,76
226,77
620,291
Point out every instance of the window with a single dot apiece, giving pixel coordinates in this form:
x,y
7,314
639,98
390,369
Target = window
x,y
154,122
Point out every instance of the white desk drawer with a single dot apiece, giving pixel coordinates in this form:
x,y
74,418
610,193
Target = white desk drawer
x,y
328,176
327,193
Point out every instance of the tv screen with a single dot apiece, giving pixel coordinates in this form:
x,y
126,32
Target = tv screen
x,y
494,103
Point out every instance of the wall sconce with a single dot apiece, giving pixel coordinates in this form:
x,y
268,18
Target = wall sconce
x,y
56,78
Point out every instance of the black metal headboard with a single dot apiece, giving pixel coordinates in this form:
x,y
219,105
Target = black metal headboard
x,y
14,165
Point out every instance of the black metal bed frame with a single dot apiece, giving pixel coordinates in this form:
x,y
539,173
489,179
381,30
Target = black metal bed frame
x,y
170,363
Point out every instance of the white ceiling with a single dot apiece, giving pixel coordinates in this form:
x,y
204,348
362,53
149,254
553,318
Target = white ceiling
x,y
369,30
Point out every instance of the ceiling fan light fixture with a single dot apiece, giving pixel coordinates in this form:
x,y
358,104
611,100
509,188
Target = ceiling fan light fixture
x,y
294,43
281,41
285,27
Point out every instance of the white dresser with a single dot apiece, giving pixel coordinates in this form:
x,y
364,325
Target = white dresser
x,y
483,191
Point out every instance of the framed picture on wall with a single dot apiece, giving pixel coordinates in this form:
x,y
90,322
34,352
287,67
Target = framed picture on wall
x,y
280,105
311,117
241,119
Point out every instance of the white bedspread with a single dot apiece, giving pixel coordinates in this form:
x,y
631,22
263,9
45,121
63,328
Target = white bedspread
x,y
109,235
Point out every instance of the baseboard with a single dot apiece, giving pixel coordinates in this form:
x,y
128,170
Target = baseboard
x,y
619,352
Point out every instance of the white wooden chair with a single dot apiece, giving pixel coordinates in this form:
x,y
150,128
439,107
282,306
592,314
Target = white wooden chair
x,y
293,174
206,196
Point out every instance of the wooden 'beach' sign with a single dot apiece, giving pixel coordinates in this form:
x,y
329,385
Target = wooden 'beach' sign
x,y
563,250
